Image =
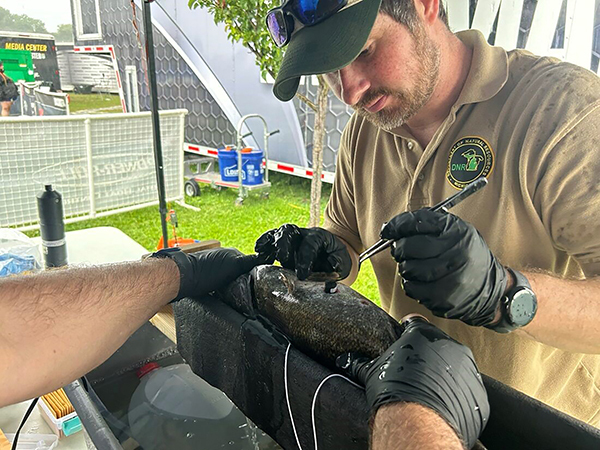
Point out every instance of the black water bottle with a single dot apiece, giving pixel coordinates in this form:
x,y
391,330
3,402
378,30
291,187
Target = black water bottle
x,y
52,227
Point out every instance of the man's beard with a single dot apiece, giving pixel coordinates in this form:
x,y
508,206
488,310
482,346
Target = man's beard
x,y
408,102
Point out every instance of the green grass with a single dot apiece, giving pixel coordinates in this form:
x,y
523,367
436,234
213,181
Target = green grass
x,y
80,102
234,226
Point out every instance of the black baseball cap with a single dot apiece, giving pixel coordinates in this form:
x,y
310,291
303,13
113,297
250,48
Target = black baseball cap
x,y
327,46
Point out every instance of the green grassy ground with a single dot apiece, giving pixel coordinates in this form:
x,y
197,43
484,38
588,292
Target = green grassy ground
x,y
81,102
220,219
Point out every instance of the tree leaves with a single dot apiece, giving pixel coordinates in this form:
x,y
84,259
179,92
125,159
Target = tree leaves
x,y
244,22
20,22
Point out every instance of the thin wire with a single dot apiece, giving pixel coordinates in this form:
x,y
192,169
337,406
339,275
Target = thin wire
x,y
287,395
314,403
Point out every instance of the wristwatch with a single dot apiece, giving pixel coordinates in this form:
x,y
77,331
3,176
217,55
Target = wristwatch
x,y
518,306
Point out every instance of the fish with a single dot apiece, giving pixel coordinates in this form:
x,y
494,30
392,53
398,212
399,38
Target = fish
x,y
321,324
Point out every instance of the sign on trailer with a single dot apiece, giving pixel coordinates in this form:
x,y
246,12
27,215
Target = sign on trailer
x,y
43,54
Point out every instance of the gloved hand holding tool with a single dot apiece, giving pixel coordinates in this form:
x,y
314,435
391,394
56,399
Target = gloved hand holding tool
x,y
427,367
444,262
208,270
305,250
446,265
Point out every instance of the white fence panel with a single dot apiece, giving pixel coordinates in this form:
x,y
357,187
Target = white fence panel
x,y
509,21
544,27
578,26
485,15
579,30
101,164
458,14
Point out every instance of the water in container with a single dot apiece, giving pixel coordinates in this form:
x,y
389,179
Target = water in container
x,y
173,408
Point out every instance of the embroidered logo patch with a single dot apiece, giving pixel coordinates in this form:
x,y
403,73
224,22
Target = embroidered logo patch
x,y
470,158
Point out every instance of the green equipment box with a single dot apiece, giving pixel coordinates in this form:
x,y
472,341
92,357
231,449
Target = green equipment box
x,y
18,64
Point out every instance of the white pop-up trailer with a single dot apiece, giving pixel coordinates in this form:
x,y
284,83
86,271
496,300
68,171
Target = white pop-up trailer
x,y
218,82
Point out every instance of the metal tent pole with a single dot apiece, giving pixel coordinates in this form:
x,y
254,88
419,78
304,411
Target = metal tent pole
x,y
158,158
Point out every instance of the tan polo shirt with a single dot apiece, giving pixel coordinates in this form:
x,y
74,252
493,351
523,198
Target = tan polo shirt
x,y
532,126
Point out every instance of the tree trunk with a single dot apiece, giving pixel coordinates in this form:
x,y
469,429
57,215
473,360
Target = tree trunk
x,y
317,153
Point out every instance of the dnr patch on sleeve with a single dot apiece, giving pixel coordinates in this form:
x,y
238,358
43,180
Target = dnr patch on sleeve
x,y
470,158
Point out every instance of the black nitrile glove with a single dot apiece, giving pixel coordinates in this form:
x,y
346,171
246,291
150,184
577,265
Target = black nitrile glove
x,y
446,265
305,250
428,367
208,270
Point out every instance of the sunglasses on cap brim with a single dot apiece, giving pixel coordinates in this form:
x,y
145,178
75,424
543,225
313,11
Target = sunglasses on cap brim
x,y
281,21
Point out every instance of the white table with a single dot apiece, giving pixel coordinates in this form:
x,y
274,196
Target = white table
x,y
100,245
91,246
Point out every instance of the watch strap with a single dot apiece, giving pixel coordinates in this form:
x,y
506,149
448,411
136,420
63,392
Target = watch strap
x,y
520,279
504,325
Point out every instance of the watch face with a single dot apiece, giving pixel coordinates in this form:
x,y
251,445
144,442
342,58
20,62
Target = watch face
x,y
522,308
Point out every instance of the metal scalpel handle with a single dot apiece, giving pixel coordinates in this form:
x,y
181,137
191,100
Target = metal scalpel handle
x,y
444,205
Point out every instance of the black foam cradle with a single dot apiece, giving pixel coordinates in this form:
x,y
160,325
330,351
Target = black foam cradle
x,y
245,360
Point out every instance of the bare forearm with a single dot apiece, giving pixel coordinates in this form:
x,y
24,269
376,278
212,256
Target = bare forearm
x,y
409,426
58,325
568,311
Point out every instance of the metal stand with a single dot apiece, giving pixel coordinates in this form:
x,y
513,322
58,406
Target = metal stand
x,y
206,173
158,159
243,190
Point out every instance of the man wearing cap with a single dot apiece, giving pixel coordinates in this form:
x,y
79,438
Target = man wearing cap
x,y
510,272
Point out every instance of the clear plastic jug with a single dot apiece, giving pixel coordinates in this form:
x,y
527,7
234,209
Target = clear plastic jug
x,y
173,408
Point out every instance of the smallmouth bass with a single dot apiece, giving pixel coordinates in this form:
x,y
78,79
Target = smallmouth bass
x,y
320,324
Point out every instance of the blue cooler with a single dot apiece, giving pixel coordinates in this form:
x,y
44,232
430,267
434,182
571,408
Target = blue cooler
x,y
227,164
252,168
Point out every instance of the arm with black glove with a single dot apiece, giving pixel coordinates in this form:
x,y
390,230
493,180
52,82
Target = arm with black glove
x,y
428,368
86,313
203,272
446,265
305,250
